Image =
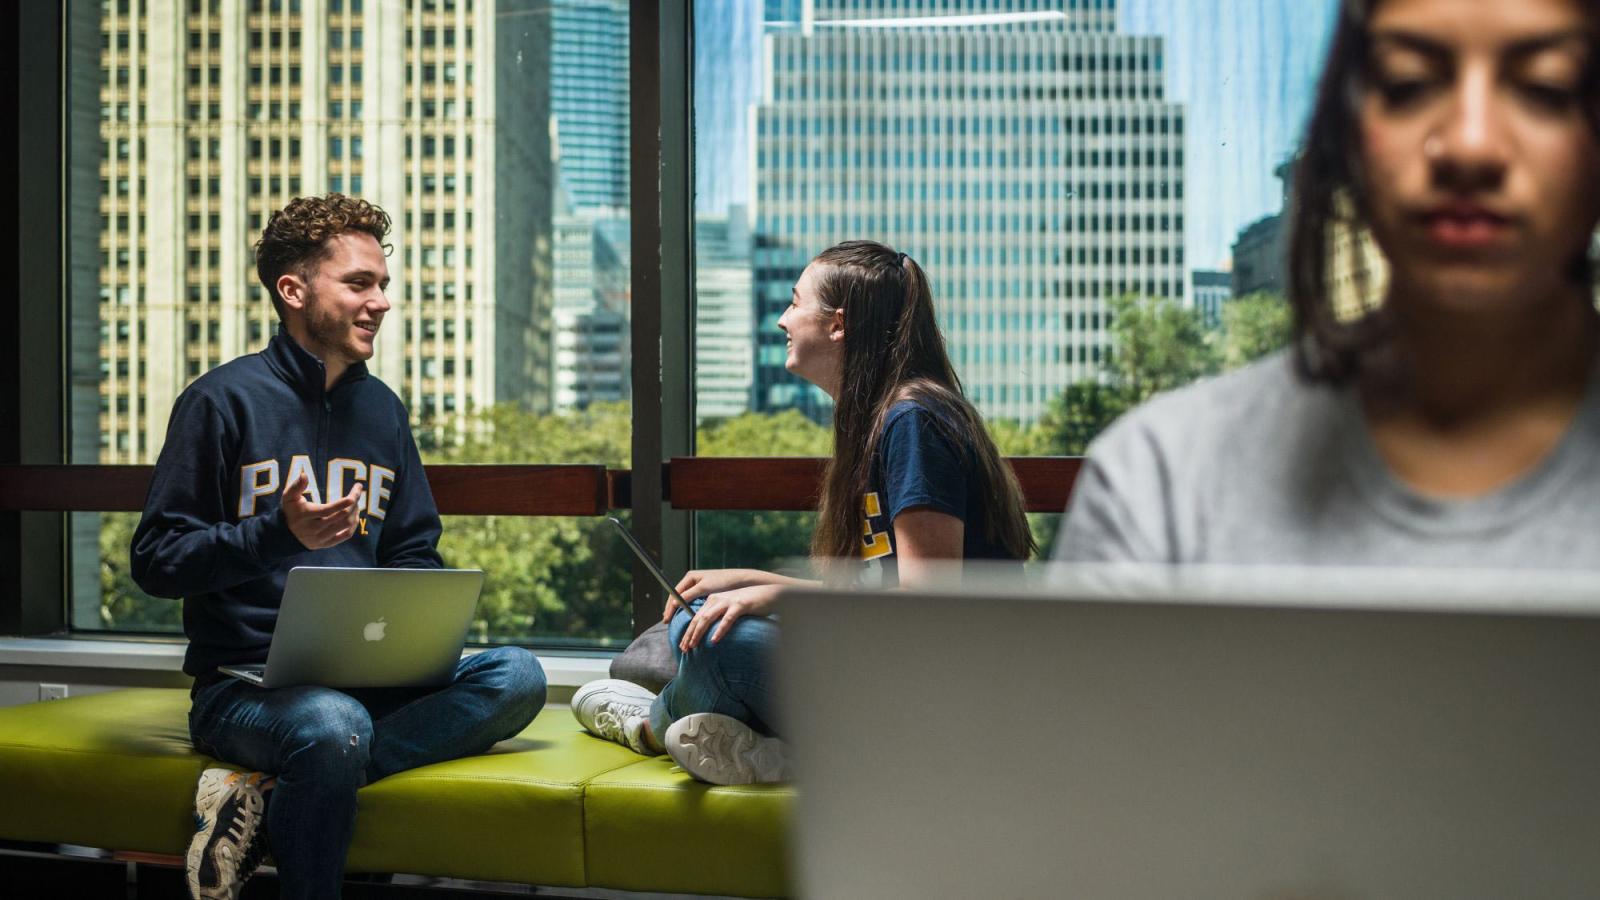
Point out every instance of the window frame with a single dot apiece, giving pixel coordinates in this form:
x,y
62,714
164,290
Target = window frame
x,y
32,409
34,416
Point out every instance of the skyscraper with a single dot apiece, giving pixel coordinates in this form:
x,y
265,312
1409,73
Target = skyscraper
x,y
589,98
593,349
1022,152
1212,290
722,315
1260,257
212,114
1261,251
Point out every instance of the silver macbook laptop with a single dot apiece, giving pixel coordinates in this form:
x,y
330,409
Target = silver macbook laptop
x,y
350,628
1014,743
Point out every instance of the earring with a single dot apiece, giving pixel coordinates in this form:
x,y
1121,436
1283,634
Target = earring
x,y
1357,271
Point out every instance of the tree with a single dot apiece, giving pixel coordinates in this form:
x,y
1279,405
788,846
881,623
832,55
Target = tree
x,y
787,433
1159,344
569,578
762,539
1253,326
1013,438
1073,418
557,577
122,604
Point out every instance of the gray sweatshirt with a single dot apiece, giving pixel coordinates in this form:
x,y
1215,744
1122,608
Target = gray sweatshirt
x,y
1258,467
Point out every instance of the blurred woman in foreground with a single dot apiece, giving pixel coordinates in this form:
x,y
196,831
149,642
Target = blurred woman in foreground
x,y
1452,419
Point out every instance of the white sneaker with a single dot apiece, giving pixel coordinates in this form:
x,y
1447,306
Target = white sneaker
x,y
227,845
616,710
723,750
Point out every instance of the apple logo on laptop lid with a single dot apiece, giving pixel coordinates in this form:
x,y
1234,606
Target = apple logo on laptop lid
x,y
374,630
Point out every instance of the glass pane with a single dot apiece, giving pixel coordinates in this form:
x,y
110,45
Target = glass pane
x,y
494,133
1093,186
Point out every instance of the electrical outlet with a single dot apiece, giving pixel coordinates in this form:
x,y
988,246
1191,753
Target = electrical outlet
x,y
52,692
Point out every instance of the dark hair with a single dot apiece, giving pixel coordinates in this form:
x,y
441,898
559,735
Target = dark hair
x,y
296,237
893,351
1330,199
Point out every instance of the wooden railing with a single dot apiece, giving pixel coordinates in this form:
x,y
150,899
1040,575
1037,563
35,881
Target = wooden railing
x,y
698,483
708,482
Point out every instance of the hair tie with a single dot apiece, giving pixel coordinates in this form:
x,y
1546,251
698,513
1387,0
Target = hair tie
x,y
900,260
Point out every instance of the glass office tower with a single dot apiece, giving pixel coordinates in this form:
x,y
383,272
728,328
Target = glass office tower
x,y
1023,152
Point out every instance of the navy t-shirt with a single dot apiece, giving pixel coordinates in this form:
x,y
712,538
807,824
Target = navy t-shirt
x,y
919,464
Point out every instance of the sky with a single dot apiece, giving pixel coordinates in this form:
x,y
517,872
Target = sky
x,y
1246,73
1244,69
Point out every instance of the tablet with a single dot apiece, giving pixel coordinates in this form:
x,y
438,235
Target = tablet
x,y
644,557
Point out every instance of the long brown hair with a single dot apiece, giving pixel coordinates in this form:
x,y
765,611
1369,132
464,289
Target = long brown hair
x,y
1331,191
893,351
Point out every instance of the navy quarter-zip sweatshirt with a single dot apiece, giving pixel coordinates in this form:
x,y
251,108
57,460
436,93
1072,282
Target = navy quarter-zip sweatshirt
x,y
213,531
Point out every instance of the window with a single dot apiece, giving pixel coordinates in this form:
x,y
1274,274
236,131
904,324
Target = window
x,y
985,177
576,605
1000,202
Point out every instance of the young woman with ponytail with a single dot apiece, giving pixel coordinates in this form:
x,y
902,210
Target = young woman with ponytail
x,y
914,479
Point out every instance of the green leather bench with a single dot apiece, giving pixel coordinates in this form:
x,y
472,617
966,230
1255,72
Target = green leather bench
x,y
553,806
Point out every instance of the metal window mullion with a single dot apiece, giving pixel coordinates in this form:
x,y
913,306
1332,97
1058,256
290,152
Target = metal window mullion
x,y
33,418
662,270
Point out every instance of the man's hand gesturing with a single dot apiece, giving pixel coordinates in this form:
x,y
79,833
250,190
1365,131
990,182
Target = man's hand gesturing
x,y
320,525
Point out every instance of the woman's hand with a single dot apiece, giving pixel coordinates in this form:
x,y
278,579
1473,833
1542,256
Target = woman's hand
x,y
704,582
723,608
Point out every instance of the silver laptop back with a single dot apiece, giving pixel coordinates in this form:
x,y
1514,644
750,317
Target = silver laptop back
x,y
1021,745
353,628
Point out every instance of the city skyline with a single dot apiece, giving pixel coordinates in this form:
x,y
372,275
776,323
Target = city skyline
x,y
592,357
183,181
213,115
1244,69
1029,161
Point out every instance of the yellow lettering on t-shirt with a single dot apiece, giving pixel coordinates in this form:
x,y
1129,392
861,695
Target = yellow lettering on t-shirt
x,y
874,544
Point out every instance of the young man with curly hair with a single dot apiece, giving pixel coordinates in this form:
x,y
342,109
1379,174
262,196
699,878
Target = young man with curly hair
x,y
296,456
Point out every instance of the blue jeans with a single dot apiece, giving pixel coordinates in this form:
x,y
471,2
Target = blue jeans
x,y
323,744
732,676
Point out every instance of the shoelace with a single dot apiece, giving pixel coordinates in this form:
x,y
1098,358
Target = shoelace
x,y
249,804
256,848
614,726
252,857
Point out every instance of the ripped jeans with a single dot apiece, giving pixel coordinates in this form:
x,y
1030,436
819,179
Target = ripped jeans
x,y
324,744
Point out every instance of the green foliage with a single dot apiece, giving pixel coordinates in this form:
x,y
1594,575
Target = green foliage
x,y
555,577
761,539
1013,438
569,578
122,604
1076,415
508,434
1253,326
1160,344
787,433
